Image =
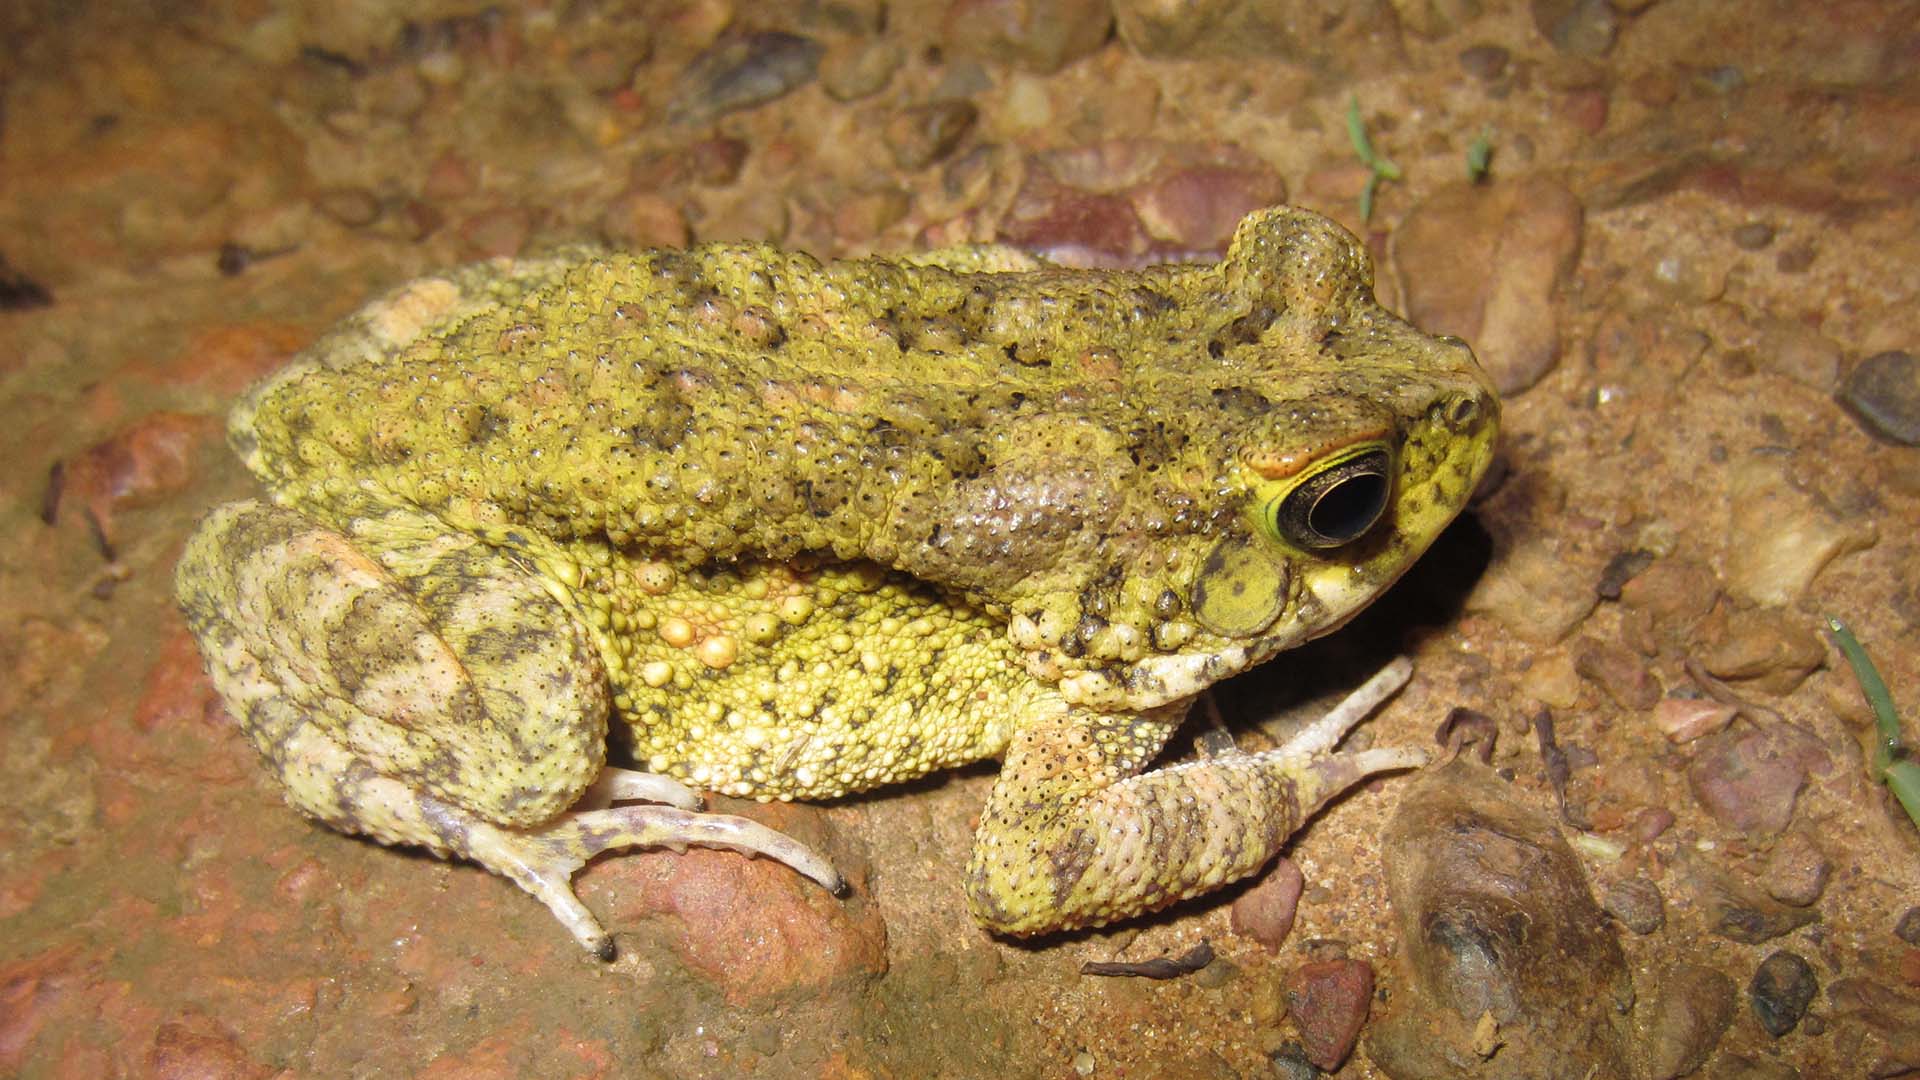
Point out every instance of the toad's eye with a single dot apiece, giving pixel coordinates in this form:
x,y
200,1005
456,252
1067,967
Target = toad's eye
x,y
1335,504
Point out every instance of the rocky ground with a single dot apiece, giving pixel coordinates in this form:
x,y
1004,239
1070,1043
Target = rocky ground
x,y
1681,233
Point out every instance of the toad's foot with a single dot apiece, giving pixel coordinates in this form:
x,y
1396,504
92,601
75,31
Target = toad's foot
x,y
543,860
1072,838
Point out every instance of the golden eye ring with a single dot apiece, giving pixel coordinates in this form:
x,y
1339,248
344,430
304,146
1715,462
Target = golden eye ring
x,y
1337,504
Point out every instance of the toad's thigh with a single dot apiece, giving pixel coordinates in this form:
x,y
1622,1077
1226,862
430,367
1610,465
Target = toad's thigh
x,y
423,656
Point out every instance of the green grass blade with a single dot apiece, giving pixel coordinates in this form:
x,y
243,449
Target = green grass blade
x,y
1885,719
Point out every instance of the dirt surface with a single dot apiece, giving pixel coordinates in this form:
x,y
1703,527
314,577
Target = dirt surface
x,y
1689,262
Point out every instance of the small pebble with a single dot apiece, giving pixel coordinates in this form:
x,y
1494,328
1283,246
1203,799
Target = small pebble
x,y
1688,1013
716,162
1882,392
1652,823
1794,260
1485,62
1621,569
502,230
1290,1063
1683,719
1328,1001
1265,912
741,71
1773,650
1041,38
1529,590
1578,27
1637,903
1781,990
1749,779
920,135
601,68
1689,277
1753,236
1620,672
1796,871
644,219
861,69
1800,352
1908,928
1677,590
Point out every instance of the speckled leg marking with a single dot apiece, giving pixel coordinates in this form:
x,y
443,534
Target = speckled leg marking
x,y
422,688
1071,837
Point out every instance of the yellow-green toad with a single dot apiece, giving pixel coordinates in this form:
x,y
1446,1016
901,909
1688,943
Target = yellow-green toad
x,y
800,529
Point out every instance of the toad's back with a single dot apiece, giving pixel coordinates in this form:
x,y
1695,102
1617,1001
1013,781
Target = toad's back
x,y
734,399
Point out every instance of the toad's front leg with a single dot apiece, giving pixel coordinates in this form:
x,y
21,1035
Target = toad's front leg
x,y
1071,837
415,685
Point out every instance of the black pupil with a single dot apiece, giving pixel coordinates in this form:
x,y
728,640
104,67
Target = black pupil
x,y
1349,507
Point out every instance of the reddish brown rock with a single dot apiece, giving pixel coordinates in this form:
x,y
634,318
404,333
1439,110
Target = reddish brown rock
x,y
644,219
1133,201
754,927
716,162
1265,912
502,230
1910,967
1674,591
142,462
1074,227
1684,1019
1586,110
449,177
1771,649
1749,779
1796,871
1623,675
1485,263
1197,208
1683,719
1328,1002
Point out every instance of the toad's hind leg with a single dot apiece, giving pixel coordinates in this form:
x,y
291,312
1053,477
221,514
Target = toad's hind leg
x,y
420,687
1072,838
